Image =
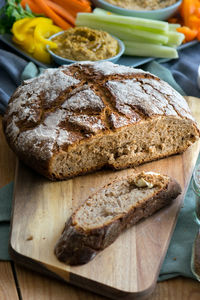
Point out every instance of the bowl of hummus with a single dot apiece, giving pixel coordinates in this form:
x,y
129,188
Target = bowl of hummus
x,y
149,9
85,44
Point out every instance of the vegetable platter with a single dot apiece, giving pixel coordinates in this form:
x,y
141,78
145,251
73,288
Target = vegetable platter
x,y
27,25
133,61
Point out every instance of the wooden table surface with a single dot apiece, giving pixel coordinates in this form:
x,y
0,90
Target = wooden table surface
x,y
16,282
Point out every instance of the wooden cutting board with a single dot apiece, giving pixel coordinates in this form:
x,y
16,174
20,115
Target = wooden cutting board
x,y
130,266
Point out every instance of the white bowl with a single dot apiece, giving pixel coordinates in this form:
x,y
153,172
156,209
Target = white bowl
x,y
157,14
63,61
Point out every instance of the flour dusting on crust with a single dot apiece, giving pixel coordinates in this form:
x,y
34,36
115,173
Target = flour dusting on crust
x,y
64,108
85,99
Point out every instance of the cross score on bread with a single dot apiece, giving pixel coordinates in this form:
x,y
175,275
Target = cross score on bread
x,y
79,118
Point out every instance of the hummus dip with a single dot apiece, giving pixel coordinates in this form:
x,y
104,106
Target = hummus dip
x,y
142,4
82,43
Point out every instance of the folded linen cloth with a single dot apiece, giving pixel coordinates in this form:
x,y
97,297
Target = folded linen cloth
x,y
177,261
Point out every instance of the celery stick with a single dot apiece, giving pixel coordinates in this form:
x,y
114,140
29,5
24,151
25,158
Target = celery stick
x,y
173,27
150,50
81,18
175,38
160,26
102,12
123,32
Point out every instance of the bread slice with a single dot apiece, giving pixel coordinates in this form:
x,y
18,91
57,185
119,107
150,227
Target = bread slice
x,y
82,117
103,216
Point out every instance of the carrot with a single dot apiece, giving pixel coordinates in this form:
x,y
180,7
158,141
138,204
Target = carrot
x,y
188,8
189,18
61,11
75,6
59,21
198,35
197,12
176,20
194,22
34,8
190,34
173,20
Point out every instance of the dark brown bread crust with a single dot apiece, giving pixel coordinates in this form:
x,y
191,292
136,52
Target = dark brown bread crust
x,y
67,107
77,246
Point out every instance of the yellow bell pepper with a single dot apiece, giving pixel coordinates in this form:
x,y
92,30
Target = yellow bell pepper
x,y
22,26
42,32
27,44
41,54
32,35
18,28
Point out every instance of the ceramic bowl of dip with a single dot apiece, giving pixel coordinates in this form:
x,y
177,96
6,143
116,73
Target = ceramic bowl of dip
x,y
63,61
157,14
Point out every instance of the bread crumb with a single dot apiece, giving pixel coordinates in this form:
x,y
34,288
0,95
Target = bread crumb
x,y
30,238
174,258
125,117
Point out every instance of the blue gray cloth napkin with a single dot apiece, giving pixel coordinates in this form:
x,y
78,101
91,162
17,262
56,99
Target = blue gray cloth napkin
x,y
182,75
178,258
184,69
11,67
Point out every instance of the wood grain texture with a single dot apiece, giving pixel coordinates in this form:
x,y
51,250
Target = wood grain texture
x,y
8,289
7,167
7,160
42,207
34,286
177,289
37,287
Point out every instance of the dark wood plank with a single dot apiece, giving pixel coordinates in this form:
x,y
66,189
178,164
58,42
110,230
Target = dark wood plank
x,y
7,163
8,289
177,289
7,160
35,286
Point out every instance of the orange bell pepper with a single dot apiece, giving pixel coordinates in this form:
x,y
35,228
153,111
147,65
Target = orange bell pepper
x,y
190,34
190,19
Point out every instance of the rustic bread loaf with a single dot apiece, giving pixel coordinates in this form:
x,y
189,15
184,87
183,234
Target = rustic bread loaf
x,y
79,118
101,218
